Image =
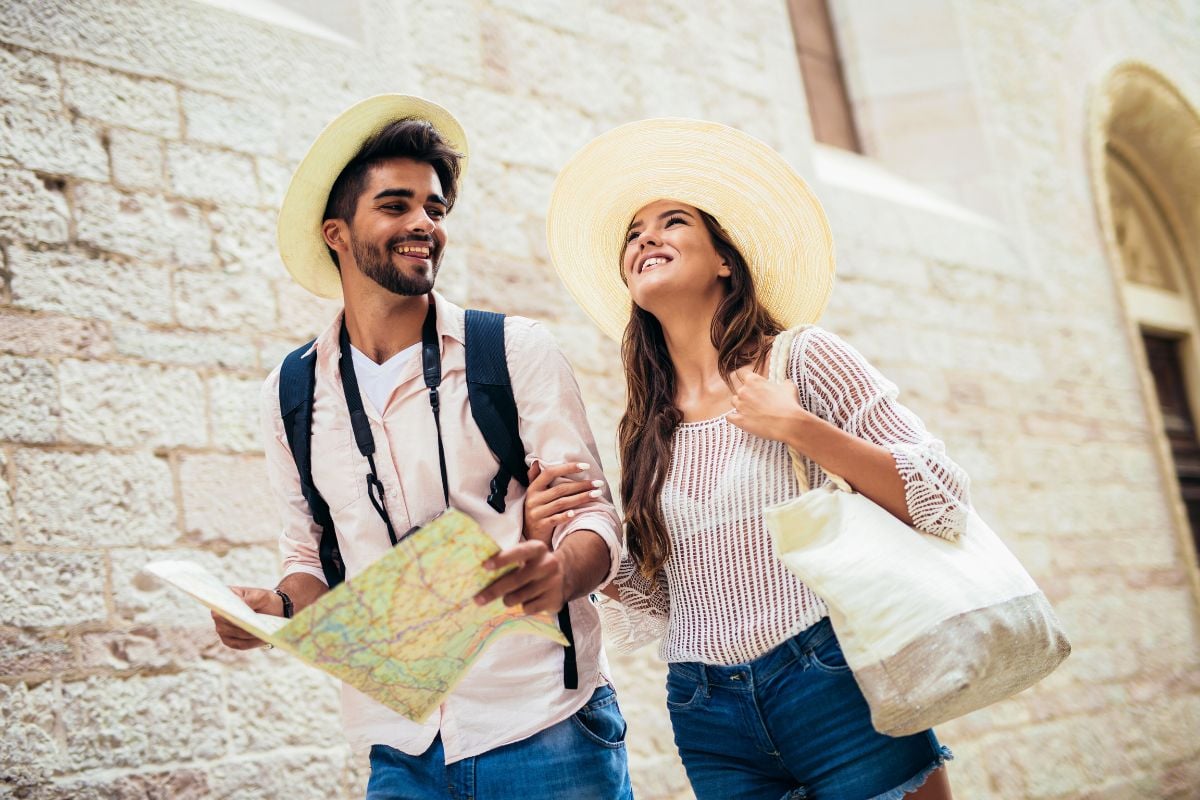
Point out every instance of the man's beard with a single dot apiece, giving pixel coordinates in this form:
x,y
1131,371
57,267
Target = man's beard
x,y
377,265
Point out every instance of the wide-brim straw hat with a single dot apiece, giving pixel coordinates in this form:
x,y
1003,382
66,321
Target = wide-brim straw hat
x,y
767,209
301,245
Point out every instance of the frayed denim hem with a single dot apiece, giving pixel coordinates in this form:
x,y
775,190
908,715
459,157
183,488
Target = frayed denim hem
x,y
918,780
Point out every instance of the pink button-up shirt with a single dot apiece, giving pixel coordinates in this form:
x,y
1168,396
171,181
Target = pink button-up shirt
x,y
515,689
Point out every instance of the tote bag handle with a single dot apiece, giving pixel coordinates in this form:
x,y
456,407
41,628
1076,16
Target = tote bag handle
x,y
781,352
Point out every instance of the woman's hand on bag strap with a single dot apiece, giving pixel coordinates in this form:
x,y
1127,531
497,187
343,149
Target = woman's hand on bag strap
x,y
767,409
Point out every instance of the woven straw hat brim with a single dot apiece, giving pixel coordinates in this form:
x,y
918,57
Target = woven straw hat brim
x,y
768,210
301,245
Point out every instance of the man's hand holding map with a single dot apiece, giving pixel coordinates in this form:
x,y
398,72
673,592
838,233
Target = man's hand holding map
x,y
404,631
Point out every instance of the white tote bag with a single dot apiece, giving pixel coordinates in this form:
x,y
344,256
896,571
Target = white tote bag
x,y
932,629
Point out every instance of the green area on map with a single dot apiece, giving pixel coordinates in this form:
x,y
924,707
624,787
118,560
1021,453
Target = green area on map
x,y
405,630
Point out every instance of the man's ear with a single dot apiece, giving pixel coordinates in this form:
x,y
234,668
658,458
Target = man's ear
x,y
335,234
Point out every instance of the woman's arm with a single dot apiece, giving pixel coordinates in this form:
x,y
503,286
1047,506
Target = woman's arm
x,y
840,413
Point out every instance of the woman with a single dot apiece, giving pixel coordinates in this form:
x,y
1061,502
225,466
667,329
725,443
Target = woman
x,y
721,246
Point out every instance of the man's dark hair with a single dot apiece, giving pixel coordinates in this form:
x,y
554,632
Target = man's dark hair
x,y
405,138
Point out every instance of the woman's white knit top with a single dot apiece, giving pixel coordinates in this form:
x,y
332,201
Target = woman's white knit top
x,y
723,597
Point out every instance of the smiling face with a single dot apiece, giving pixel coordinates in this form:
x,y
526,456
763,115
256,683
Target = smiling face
x,y
670,256
397,236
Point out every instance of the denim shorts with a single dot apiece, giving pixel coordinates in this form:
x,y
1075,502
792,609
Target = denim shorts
x,y
581,757
790,724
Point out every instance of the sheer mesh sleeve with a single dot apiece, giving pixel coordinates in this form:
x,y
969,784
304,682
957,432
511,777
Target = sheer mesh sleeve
x,y
839,385
641,615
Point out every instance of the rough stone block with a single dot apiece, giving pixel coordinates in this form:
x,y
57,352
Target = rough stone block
x,y
224,301
29,749
34,209
94,499
245,241
234,408
216,176
150,647
29,79
51,143
207,46
536,135
302,315
273,180
142,226
867,221
515,286
24,335
29,402
176,784
459,25
123,100
310,774
132,406
983,246
184,348
138,160
82,286
250,126
8,531
162,718
888,267
24,652
45,590
227,499
514,50
264,714
273,350
304,121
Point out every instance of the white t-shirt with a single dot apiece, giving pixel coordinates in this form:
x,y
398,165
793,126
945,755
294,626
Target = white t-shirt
x,y
378,380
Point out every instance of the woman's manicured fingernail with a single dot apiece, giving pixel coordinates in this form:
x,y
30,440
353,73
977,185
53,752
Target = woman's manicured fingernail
x,y
583,466
570,514
597,484
594,493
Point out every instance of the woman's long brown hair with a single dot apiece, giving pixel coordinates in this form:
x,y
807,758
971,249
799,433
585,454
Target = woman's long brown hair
x,y
741,329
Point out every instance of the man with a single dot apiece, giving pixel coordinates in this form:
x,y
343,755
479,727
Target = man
x,y
365,216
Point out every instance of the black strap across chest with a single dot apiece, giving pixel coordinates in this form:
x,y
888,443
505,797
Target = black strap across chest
x,y
493,407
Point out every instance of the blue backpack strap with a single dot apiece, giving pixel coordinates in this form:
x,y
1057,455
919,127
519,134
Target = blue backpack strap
x,y
297,380
492,404
494,408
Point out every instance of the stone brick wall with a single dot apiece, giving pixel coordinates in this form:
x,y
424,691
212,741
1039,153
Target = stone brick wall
x,y
144,147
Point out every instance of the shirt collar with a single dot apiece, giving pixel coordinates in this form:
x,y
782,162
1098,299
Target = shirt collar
x,y
450,322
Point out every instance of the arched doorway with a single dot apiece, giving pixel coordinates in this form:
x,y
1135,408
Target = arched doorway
x,y
1145,152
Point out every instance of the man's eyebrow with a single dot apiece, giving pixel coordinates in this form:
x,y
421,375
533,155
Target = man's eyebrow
x,y
409,194
406,193
663,215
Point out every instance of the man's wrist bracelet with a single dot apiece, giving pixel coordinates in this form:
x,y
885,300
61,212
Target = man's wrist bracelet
x,y
287,603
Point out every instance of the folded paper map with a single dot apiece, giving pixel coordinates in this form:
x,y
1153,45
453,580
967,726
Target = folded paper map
x,y
404,631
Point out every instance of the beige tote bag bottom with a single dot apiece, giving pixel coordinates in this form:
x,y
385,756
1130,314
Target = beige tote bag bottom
x,y
932,629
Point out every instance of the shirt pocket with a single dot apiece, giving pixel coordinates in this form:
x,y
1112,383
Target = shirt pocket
x,y
339,470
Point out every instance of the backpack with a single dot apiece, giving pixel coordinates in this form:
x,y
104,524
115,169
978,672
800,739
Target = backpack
x,y
490,395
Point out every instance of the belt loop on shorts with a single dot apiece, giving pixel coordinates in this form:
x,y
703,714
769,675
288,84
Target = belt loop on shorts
x,y
811,638
794,645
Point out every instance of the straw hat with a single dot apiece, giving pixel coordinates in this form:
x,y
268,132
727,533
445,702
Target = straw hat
x,y
768,210
299,232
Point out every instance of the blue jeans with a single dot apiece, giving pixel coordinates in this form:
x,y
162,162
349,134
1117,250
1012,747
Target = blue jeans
x,y
790,724
583,757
